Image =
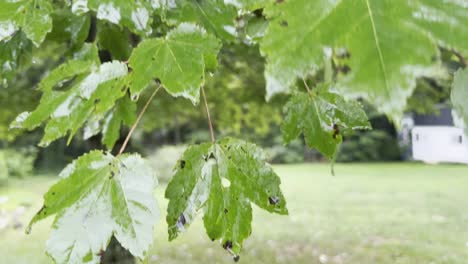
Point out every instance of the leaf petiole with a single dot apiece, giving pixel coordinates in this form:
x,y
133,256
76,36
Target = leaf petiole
x,y
140,115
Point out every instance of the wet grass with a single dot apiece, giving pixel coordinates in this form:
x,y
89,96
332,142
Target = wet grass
x,y
368,213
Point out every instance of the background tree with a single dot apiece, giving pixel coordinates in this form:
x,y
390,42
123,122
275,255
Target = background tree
x,y
115,57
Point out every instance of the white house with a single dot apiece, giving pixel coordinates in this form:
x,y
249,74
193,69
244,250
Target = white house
x,y
435,139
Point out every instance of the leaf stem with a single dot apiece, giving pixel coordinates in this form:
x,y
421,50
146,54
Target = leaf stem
x,y
306,85
140,115
210,125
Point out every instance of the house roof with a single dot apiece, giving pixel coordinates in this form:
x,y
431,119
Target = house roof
x,y
443,117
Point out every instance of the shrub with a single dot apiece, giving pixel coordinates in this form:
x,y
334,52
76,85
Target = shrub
x,y
375,145
292,153
17,162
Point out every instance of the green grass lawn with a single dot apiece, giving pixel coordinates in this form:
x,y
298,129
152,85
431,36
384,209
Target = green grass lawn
x,y
367,213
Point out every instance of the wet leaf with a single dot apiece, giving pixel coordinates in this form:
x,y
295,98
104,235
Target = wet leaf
x,y
322,116
222,180
179,60
12,53
249,5
389,42
134,14
98,196
73,93
215,16
32,17
69,28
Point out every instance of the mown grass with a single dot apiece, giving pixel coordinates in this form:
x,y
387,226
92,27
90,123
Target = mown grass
x,y
367,213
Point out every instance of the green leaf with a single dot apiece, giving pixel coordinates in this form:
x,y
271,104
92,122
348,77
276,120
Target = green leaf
x,y
125,113
178,60
69,28
31,16
115,40
249,5
323,117
214,15
134,14
12,53
388,43
222,179
98,196
93,91
254,28
459,96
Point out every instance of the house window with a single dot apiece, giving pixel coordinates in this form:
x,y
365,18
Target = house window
x,y
460,139
416,137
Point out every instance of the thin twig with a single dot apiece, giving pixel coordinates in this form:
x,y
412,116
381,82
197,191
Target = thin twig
x,y
306,85
140,115
208,115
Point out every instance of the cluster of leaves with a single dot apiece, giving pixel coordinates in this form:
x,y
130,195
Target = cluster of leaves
x,y
95,95
116,49
380,46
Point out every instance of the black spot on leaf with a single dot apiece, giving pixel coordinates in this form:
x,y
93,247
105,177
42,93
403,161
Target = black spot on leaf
x,y
284,23
182,164
336,131
181,220
236,258
258,12
211,156
345,69
228,245
225,211
273,200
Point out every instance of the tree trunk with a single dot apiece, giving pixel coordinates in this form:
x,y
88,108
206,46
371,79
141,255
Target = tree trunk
x,y
115,253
